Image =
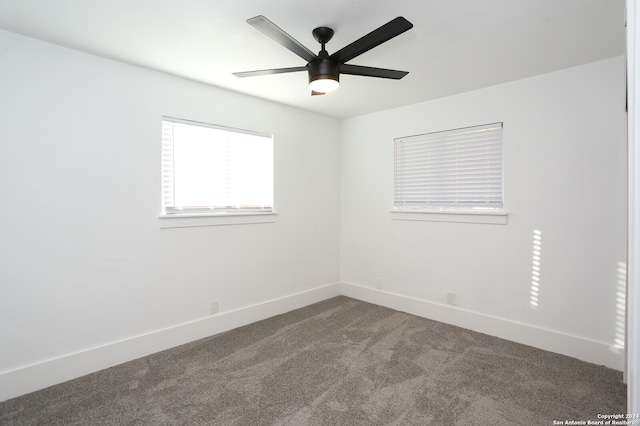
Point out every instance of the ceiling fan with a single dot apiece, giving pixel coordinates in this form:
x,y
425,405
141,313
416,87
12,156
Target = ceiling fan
x,y
324,69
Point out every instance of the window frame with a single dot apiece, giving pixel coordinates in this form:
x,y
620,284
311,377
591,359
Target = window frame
x,y
186,216
479,213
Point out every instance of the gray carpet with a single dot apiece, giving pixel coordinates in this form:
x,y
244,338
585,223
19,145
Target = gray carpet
x,y
338,362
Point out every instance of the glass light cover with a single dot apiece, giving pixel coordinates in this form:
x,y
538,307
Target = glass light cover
x,y
325,85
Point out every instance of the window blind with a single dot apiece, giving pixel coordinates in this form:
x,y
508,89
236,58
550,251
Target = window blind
x,y
207,168
454,168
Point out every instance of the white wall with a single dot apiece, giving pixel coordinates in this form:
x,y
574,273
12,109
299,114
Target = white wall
x,y
84,262
88,279
564,175
633,292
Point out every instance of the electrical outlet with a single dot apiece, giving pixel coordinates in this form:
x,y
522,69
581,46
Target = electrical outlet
x,y
215,306
379,283
451,298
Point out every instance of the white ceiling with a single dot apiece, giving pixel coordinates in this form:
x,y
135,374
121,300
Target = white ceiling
x,y
455,45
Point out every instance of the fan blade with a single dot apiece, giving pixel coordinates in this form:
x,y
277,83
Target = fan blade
x,y
372,72
374,38
276,33
314,93
268,72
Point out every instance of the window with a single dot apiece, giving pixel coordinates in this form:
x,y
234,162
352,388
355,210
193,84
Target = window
x,y
459,170
208,169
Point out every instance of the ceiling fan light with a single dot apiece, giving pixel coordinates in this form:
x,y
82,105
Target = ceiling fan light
x,y
324,75
324,84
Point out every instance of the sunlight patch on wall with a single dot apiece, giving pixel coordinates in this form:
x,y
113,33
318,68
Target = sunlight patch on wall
x,y
621,306
536,263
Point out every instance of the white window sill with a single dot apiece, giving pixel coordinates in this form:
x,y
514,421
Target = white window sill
x,y
214,219
494,217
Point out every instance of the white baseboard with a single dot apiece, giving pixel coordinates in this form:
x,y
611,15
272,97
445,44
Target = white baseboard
x,y
553,341
29,378
40,375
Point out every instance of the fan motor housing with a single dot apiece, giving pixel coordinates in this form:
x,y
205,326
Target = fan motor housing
x,y
324,68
